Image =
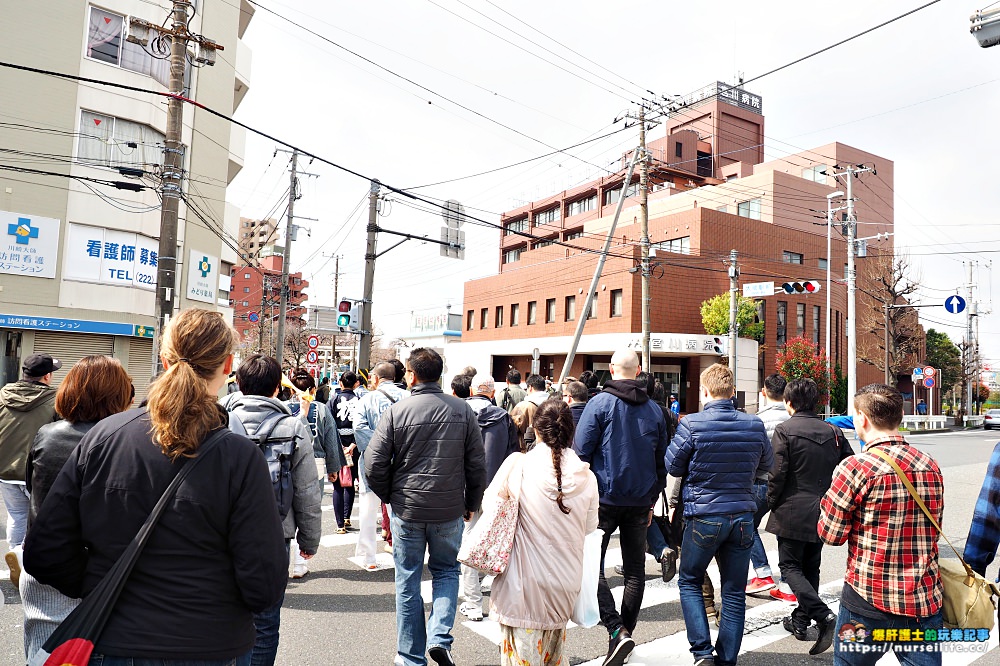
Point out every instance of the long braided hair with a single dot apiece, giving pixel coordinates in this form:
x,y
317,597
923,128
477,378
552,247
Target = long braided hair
x,y
553,424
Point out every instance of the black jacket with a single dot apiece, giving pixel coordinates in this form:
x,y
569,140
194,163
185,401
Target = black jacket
x,y
216,556
53,445
576,410
806,451
500,436
426,457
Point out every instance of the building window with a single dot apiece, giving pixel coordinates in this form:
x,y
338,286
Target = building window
x,y
550,310
246,331
510,256
469,320
800,320
570,308
583,205
515,314
678,245
782,336
109,141
532,312
246,276
845,271
246,290
592,313
760,317
550,216
721,209
544,243
749,209
498,322
823,264
817,173
816,325
791,257
246,304
678,149
616,302
515,226
611,196
105,42
483,317
573,235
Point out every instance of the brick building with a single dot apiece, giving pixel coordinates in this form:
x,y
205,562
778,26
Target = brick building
x,y
258,289
710,192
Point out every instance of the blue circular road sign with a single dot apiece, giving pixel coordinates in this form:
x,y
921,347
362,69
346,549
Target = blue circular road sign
x,y
954,304
253,317
929,382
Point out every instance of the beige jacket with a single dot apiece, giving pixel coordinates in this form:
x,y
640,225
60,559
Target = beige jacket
x,y
542,580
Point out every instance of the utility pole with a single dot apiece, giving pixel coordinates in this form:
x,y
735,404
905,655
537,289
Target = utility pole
x,y
644,240
830,210
172,173
734,295
969,354
885,342
365,337
849,173
336,299
286,259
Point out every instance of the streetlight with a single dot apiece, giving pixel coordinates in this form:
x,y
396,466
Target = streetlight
x,y
830,210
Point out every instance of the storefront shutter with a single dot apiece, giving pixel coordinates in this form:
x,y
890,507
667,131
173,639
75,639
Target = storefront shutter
x,y
71,347
140,366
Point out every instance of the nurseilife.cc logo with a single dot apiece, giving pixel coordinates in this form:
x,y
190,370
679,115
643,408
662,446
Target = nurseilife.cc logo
x,y
23,232
205,267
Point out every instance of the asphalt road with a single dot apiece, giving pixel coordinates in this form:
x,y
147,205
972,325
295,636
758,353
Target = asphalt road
x,y
341,614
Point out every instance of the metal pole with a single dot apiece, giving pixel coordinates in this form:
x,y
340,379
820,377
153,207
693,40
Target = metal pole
x,y
263,296
286,260
172,177
334,359
968,340
885,342
734,295
829,226
644,239
571,354
364,340
852,333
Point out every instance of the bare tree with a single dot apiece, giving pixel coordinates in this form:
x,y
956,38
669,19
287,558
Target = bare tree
x,y
296,342
889,280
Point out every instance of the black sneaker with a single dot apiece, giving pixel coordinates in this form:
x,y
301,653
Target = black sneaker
x,y
620,646
794,628
827,626
668,565
441,655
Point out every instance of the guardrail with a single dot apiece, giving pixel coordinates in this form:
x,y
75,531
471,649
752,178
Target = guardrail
x,y
974,421
924,422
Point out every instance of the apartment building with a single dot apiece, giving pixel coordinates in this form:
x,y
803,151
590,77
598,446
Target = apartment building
x,y
78,266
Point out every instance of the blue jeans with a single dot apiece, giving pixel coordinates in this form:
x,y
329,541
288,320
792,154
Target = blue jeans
x,y
758,556
103,660
15,497
655,542
842,649
267,623
727,538
441,542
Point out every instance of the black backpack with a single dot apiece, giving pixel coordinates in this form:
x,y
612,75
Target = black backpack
x,y
278,452
507,402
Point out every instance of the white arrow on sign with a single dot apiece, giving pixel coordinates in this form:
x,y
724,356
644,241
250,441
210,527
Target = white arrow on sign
x,y
954,304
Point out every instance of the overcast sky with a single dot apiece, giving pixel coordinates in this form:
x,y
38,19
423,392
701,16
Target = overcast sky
x,y
920,92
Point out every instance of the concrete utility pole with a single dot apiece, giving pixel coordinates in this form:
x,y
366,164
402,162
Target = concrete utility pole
x,y
365,338
172,172
849,174
286,260
830,210
644,239
969,353
734,324
336,299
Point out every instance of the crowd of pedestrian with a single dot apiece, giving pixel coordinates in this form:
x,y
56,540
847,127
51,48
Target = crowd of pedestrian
x,y
80,471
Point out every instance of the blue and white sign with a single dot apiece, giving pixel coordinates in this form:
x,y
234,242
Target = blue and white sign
x,y
203,277
954,304
929,382
109,256
29,244
73,325
758,289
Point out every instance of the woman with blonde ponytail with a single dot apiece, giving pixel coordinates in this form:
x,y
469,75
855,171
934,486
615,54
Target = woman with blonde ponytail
x,y
557,507
218,550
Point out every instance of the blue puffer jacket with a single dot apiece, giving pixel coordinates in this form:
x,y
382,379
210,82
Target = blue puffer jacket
x,y
718,452
622,435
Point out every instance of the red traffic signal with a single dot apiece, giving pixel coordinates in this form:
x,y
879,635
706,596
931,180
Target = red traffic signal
x,y
344,306
803,287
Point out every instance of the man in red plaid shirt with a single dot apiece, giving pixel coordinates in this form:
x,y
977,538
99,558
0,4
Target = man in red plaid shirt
x,y
892,577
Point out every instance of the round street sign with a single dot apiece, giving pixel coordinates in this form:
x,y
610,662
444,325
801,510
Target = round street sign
x,y
253,317
954,304
929,372
313,342
929,382
312,357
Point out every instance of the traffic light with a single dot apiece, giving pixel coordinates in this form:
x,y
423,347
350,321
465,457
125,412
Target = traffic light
x,y
803,287
347,317
720,346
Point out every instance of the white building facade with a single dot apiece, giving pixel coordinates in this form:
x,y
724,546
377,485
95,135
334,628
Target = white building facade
x,y
78,258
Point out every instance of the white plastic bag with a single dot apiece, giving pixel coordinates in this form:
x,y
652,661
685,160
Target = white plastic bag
x,y
586,612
